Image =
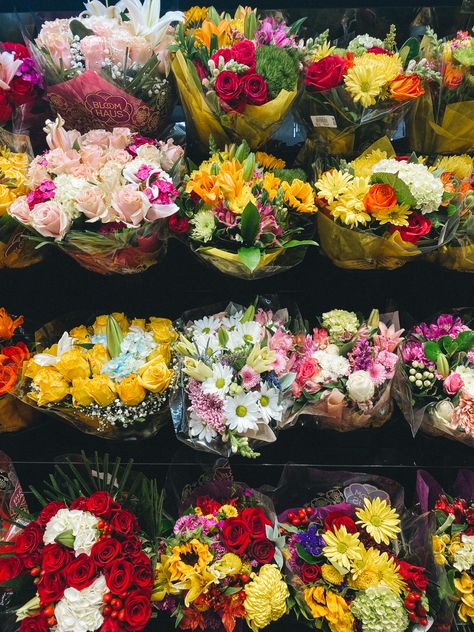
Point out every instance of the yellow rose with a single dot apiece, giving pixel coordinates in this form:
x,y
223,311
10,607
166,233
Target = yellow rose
x,y
97,356
74,364
81,333
155,376
130,391
163,351
52,386
439,547
100,323
138,322
80,392
30,368
20,161
102,389
162,329
7,196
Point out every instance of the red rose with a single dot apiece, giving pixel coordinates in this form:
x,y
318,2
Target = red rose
x,y
140,559
255,520
29,540
81,572
131,546
418,226
79,503
178,224
337,519
137,609
262,550
413,575
470,515
469,531
10,567
310,572
124,522
21,91
51,587
326,73
118,576
208,505
55,557
378,50
102,504
111,625
34,624
19,50
5,108
143,576
235,535
255,89
49,512
229,88
226,53
244,53
106,551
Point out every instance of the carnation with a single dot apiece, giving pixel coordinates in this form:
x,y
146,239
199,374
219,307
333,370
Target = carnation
x,y
380,610
332,366
341,325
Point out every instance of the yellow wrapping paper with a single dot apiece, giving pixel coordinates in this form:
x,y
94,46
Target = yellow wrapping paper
x,y
14,415
256,125
352,249
460,258
18,252
230,263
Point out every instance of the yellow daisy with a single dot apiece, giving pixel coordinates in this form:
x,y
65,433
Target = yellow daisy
x,y
364,84
374,569
332,184
357,189
342,548
396,215
364,165
380,520
460,166
324,50
267,161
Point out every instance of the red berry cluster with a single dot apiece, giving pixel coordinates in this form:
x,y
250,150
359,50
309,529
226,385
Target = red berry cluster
x,y
416,611
300,517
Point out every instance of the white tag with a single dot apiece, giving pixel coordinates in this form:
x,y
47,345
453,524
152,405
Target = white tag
x,y
324,121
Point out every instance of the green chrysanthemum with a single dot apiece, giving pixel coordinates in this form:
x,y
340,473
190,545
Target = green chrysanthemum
x,y
278,67
380,610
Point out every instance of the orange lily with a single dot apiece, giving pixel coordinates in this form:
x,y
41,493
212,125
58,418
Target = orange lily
x,y
8,325
208,29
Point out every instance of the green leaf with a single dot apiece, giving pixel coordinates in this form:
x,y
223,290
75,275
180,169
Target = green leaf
x,y
294,243
287,380
431,350
249,224
250,257
402,191
77,28
304,555
232,590
451,209
410,50
295,27
223,337
465,341
447,343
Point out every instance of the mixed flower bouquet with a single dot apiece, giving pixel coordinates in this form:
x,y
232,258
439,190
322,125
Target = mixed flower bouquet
x,y
111,378
435,381
245,213
222,564
355,95
102,197
237,76
234,379
442,121
344,370
345,560
380,211
109,66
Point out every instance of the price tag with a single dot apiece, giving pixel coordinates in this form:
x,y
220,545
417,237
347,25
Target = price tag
x,y
324,121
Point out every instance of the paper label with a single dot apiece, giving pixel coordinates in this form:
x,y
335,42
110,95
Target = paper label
x,y
324,121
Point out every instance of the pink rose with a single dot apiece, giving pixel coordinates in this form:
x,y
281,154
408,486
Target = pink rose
x,y
94,49
90,201
453,383
120,137
56,37
130,205
93,156
96,137
308,368
60,161
20,210
170,154
37,173
140,51
50,220
120,155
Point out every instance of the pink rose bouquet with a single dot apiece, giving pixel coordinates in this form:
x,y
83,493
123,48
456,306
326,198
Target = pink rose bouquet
x,y
344,371
108,67
102,197
435,382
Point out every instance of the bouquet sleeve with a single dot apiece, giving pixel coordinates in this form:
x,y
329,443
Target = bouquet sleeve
x,y
458,255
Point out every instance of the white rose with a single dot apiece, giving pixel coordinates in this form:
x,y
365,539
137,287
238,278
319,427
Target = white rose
x,y
149,154
360,386
81,610
442,412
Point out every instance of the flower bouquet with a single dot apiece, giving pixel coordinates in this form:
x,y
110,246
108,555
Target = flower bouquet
x,y
111,378
435,380
356,95
85,562
347,560
344,370
237,76
245,214
234,369
221,566
109,66
381,212
442,120
13,352
102,197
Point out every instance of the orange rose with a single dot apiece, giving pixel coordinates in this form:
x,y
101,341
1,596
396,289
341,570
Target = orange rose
x,y
452,76
379,197
406,87
8,325
8,376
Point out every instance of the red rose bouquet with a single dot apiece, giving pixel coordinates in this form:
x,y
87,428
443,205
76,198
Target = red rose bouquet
x,y
222,564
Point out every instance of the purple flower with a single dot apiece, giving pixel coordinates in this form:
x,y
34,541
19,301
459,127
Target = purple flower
x,y
361,355
311,541
29,72
445,325
273,32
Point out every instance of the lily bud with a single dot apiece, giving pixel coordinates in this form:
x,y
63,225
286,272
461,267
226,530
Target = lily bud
x,y
66,538
442,365
374,319
114,337
249,166
249,314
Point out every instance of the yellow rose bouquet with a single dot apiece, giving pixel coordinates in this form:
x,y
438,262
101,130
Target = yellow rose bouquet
x,y
111,378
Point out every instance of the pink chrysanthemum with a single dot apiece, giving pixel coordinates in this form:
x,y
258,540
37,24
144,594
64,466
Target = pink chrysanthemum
x,y
208,406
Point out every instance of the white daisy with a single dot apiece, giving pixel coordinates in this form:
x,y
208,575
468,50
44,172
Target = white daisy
x,y
242,411
269,403
200,430
244,334
220,381
206,325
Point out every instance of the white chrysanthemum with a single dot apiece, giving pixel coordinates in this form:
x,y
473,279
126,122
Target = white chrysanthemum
x,y
66,192
82,524
467,376
249,333
332,366
204,226
425,187
269,403
220,381
81,610
207,344
199,429
464,556
242,411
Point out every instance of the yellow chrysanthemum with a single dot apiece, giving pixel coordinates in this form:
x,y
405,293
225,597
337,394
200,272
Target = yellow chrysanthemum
x,y
188,558
325,604
397,215
380,520
464,586
229,511
374,569
387,67
299,196
460,166
342,547
271,184
266,597
322,51
331,575
268,161
357,189
364,165
332,184
364,85
350,211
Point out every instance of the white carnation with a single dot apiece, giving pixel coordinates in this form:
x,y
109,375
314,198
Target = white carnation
x,y
66,192
332,366
425,187
82,524
81,610
360,386
464,556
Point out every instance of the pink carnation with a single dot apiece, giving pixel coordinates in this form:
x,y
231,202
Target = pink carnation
x,y
463,414
250,378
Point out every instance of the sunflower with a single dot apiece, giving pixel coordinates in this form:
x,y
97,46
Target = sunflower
x,y
342,547
333,184
267,161
194,17
189,558
271,184
396,215
363,166
380,520
331,575
299,195
364,84
376,568
324,50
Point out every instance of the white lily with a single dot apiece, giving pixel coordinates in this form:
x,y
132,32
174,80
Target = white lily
x,y
145,19
97,9
8,67
66,343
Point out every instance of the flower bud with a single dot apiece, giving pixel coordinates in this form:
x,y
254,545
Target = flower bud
x,y
442,365
114,337
374,319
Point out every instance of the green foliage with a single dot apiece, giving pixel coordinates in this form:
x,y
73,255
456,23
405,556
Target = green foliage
x,y
290,174
402,191
250,257
279,68
249,224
